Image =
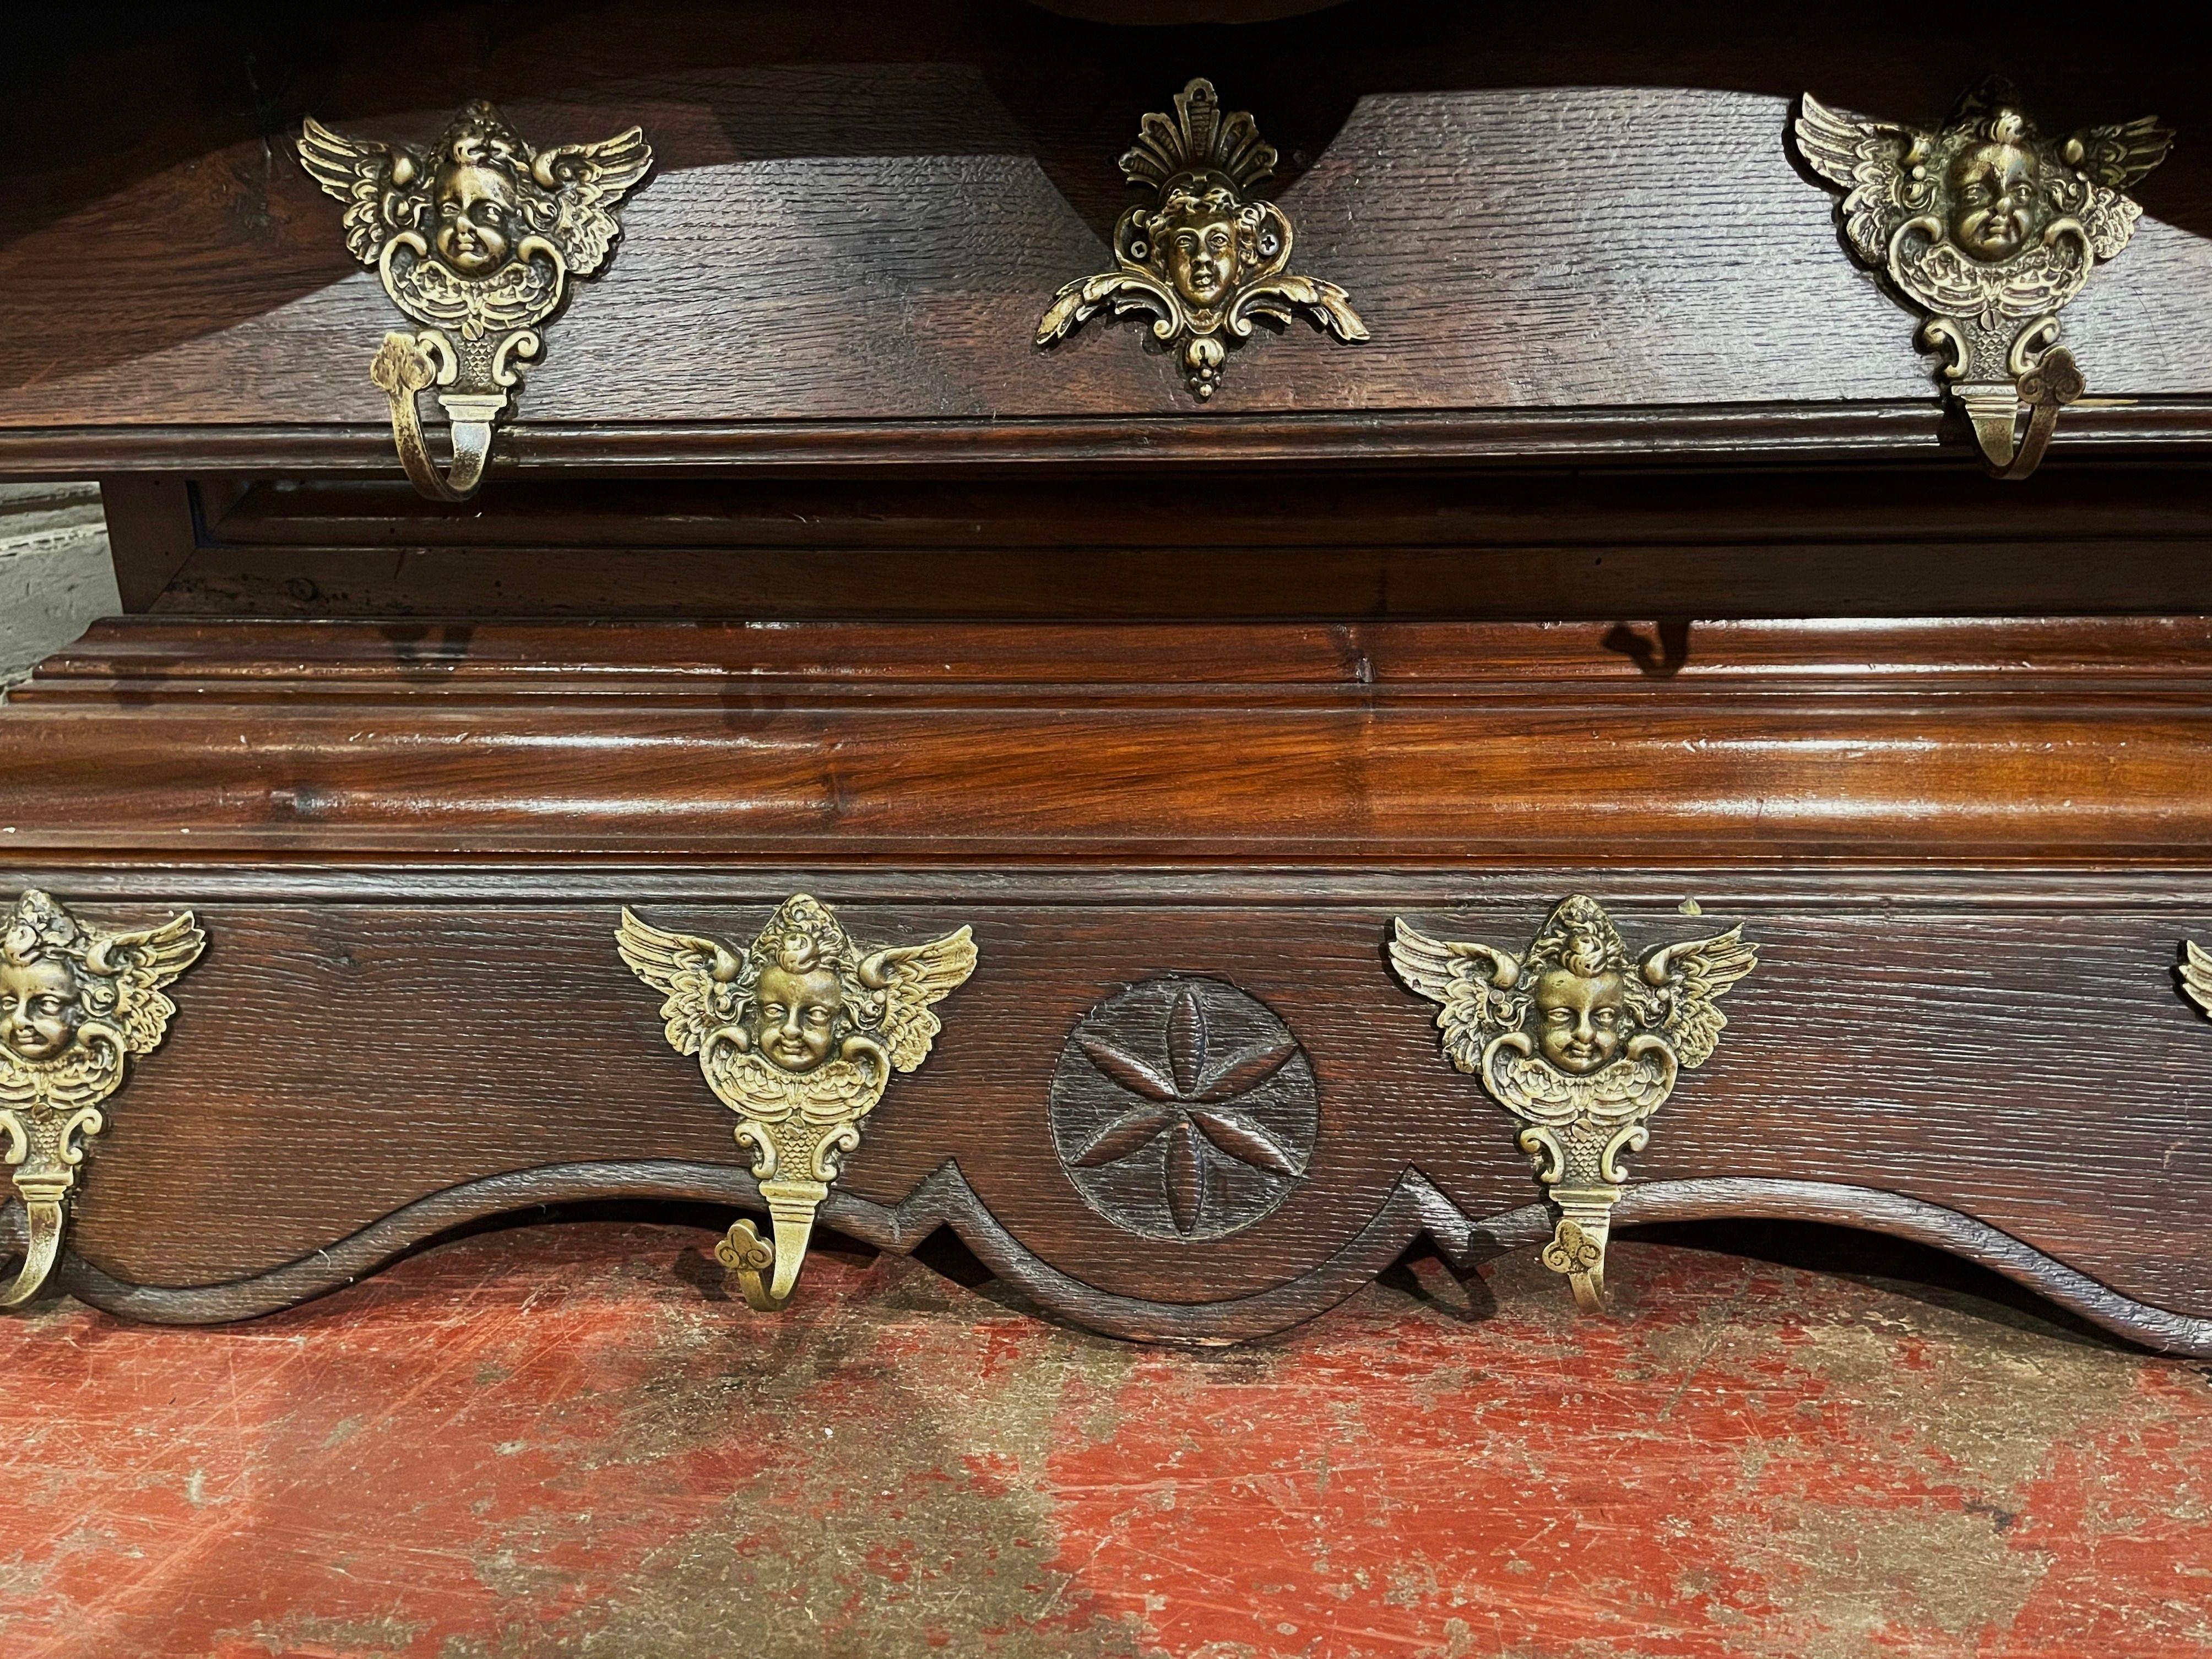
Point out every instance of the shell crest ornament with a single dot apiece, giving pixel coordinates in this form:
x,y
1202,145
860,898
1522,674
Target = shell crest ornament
x,y
1987,228
475,239
1205,258
77,1004
1582,1042
798,1034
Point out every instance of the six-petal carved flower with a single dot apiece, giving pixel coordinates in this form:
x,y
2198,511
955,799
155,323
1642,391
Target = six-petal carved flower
x,y
1191,1102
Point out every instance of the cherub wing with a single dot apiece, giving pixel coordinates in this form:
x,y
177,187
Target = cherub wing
x,y
1686,978
2196,974
1868,159
913,976
143,963
1125,290
588,181
1471,984
2109,218
2116,156
697,975
382,186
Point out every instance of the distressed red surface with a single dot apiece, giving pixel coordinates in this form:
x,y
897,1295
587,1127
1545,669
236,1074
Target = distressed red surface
x,y
564,1441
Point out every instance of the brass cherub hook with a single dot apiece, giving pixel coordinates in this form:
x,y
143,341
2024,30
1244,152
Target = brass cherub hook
x,y
799,1035
477,239
1987,228
1583,1045
75,1004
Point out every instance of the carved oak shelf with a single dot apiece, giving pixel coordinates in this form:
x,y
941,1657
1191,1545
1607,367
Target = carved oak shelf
x,y
1968,879
1721,317
1175,697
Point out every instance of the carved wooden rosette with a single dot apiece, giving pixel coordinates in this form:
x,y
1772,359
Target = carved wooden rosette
x,y
477,239
1987,229
1206,257
1582,1044
75,1004
1183,1108
799,1035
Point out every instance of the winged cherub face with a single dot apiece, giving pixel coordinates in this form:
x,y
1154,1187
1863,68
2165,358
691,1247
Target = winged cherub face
x,y
796,1013
1993,199
1581,1019
39,1007
477,222
1199,239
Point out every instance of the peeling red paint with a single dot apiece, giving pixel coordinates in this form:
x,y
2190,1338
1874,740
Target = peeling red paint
x,y
551,1442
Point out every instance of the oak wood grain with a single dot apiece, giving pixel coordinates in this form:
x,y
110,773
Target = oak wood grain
x,y
1968,849
858,242
1414,1210
2035,1071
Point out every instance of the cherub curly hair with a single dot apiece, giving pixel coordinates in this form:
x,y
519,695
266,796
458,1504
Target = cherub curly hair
x,y
41,930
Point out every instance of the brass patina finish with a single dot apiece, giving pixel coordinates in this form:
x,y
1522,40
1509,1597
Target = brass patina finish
x,y
477,241
74,1003
1581,1043
1207,257
799,1036
1987,228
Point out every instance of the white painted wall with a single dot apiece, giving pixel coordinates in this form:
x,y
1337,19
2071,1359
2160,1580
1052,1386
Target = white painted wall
x,y
55,573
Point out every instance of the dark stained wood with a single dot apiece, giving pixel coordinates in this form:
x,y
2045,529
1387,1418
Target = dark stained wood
x,y
1085,544
2031,657
1876,1050
1282,509
1915,430
1382,743
1968,850
151,531
803,569
851,236
1413,1212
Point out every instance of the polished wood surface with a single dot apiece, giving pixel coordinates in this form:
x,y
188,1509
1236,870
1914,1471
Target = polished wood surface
x,y
903,742
1879,1050
1968,850
1635,554
854,226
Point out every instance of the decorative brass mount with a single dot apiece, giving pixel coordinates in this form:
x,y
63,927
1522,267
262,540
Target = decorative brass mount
x,y
1206,258
74,1003
1987,228
478,237
1609,1038
2196,975
799,1036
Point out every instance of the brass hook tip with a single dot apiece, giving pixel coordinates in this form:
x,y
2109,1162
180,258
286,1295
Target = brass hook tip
x,y
1581,1258
744,1250
42,1241
748,1257
403,367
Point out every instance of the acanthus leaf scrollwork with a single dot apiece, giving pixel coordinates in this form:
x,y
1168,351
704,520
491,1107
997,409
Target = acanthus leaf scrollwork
x,y
1205,258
